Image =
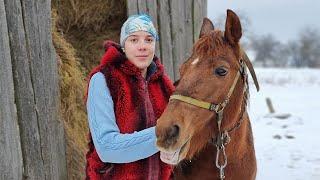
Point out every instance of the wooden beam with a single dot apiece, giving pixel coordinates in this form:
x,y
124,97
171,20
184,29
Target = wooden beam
x,y
165,36
177,35
152,11
11,163
36,89
188,29
199,12
142,6
132,7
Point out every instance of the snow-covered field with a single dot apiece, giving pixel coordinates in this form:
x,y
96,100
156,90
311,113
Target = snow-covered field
x,y
287,149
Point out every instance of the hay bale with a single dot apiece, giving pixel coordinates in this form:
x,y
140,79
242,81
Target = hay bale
x,y
72,86
86,24
90,15
79,29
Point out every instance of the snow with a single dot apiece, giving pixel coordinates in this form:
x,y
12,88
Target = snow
x,y
287,149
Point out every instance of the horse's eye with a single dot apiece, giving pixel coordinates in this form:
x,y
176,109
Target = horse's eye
x,y
221,71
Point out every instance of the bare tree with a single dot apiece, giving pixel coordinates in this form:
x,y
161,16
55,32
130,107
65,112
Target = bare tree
x,y
310,47
267,49
294,58
305,51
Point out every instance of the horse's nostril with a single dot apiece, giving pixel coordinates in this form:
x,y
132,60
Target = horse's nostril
x,y
173,132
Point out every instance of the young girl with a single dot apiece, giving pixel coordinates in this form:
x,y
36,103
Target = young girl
x,y
127,93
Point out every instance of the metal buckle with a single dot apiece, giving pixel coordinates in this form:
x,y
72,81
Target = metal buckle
x,y
220,107
212,107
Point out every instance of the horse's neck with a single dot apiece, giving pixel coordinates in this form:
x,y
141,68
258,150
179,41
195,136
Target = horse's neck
x,y
241,140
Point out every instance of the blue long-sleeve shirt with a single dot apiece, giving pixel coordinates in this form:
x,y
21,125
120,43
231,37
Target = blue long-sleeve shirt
x,y
111,145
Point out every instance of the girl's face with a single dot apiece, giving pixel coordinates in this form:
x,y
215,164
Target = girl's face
x,y
139,48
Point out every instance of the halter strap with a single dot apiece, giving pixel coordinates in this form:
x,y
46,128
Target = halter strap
x,y
207,105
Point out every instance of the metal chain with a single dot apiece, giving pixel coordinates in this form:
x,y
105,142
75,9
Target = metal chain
x,y
225,161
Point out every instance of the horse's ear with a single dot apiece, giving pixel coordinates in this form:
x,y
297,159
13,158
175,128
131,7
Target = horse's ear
x,y
206,27
233,30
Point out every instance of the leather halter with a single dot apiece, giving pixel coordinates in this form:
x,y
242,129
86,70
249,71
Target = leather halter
x,y
223,137
206,105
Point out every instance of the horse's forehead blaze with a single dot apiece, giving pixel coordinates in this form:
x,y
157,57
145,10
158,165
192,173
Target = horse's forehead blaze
x,y
195,61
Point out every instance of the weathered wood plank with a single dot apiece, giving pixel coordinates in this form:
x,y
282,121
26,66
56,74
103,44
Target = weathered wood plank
x,y
165,36
37,91
142,6
152,11
188,29
132,7
204,8
44,74
178,33
24,95
199,12
11,163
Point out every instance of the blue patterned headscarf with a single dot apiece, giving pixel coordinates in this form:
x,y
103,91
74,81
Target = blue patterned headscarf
x,y
139,22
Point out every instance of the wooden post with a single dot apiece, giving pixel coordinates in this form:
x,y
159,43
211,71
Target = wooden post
x,y
188,19
36,89
152,11
177,35
270,106
142,6
11,164
199,12
132,7
165,36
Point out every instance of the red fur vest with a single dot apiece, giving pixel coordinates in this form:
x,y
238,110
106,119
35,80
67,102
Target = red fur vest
x,y
129,93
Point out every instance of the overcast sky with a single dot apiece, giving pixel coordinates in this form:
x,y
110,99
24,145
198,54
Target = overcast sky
x,y
283,18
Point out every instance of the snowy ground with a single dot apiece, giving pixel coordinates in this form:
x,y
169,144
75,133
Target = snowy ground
x,y
287,149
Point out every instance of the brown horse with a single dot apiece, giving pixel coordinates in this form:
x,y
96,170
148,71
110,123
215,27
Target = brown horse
x,y
205,130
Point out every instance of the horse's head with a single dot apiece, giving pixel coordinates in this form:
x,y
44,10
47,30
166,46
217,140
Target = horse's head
x,y
208,75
